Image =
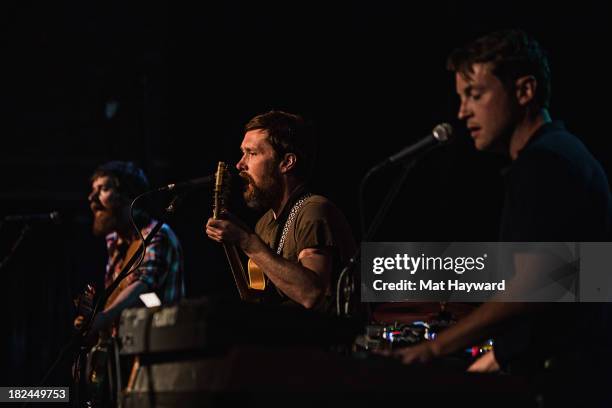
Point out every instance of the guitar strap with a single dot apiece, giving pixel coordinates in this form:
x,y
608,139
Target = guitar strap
x,y
281,234
133,247
286,219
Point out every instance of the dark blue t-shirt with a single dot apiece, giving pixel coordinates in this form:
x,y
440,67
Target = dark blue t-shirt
x,y
556,191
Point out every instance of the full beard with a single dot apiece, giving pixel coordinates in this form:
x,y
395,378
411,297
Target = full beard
x,y
261,197
104,223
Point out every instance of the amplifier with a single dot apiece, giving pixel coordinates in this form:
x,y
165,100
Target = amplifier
x,y
209,324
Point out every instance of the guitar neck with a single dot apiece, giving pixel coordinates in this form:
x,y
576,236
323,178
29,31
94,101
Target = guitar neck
x,y
231,252
238,272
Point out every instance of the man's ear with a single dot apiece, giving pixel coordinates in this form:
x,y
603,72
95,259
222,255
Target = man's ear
x,y
526,89
287,163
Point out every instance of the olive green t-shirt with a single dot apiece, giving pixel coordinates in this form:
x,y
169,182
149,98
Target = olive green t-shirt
x,y
318,224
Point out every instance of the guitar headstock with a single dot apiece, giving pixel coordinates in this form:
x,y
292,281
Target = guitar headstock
x,y
85,301
222,189
85,304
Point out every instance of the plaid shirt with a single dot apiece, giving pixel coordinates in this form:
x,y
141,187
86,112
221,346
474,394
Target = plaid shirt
x,y
161,268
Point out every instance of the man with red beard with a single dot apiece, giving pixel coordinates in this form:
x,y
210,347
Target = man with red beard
x,y
114,186
302,240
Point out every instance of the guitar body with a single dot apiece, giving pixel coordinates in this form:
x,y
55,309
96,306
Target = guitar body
x,y
257,279
91,363
97,370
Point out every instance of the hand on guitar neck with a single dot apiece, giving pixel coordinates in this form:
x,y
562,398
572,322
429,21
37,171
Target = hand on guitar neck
x,y
229,229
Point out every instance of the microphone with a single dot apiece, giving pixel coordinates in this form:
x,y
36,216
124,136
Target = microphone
x,y
52,217
439,135
193,183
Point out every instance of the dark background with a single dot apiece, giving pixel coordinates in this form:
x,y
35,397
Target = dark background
x,y
170,86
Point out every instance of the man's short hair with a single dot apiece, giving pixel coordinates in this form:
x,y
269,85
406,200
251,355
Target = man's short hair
x,y
288,133
129,179
513,54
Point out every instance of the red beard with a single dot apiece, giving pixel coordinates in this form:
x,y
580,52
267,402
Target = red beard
x,y
104,223
260,197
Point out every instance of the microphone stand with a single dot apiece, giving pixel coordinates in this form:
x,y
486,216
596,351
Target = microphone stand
x,y
349,286
22,234
77,338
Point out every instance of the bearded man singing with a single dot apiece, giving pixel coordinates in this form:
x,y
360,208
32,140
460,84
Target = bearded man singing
x,y
302,240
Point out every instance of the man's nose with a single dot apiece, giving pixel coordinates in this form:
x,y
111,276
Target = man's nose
x,y
240,165
463,112
94,196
